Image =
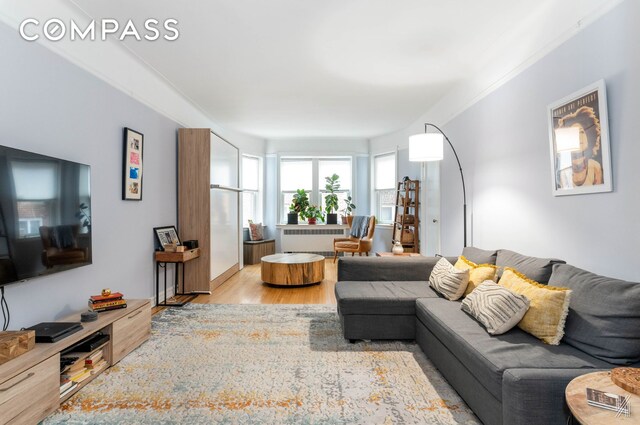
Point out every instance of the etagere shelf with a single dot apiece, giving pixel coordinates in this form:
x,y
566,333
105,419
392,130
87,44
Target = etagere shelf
x,y
406,219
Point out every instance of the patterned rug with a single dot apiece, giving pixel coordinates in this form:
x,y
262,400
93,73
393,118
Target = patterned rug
x,y
265,364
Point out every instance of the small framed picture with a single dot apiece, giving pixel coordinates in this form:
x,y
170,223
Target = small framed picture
x,y
132,165
166,235
579,142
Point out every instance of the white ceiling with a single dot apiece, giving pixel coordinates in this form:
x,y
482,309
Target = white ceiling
x,y
323,69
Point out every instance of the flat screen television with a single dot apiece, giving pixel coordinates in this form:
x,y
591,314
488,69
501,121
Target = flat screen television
x,y
45,215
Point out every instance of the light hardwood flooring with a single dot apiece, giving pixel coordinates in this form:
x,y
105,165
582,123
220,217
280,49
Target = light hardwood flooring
x,y
246,287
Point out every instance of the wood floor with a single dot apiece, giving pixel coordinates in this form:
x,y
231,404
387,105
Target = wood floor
x,y
246,287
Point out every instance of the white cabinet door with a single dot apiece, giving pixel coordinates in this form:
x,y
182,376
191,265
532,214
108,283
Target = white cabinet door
x,y
225,235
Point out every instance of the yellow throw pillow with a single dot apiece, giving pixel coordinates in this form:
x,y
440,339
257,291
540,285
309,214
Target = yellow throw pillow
x,y
478,273
548,309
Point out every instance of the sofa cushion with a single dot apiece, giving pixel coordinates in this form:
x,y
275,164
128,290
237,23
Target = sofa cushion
x,y
486,357
604,314
478,273
548,308
496,307
479,256
538,269
448,280
381,298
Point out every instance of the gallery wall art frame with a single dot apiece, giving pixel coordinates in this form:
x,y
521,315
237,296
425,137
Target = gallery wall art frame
x,y
586,169
132,165
166,235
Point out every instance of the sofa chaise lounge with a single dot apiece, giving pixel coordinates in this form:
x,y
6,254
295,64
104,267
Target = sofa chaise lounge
x,y
511,379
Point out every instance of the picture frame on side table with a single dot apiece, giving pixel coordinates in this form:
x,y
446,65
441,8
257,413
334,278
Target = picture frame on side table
x,y
166,235
132,170
579,142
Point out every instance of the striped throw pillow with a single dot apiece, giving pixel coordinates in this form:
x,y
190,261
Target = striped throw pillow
x,y
447,280
496,307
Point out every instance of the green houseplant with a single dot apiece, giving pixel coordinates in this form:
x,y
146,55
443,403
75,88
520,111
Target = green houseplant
x,y
332,184
313,214
298,206
348,209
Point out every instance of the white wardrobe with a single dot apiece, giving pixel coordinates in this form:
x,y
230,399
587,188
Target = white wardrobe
x,y
208,206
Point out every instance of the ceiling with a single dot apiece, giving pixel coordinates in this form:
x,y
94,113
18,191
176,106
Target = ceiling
x,y
320,69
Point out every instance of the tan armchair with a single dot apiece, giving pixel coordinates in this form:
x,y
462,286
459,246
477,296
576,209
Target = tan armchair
x,y
55,255
354,245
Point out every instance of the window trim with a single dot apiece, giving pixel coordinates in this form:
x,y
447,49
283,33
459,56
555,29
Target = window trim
x,y
259,193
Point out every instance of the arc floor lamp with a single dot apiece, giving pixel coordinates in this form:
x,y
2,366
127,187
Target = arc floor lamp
x,y
427,147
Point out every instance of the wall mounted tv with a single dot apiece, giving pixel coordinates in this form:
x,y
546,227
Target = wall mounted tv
x,y
45,215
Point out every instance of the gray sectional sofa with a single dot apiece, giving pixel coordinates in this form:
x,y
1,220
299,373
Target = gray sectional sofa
x,y
511,379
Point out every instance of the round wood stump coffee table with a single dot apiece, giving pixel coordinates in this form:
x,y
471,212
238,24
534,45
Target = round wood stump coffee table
x,y
292,269
589,415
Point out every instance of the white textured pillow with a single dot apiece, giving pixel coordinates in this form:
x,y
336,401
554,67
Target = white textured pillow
x,y
448,280
495,306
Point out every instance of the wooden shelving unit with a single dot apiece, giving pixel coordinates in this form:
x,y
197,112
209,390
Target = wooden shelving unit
x,y
106,355
406,223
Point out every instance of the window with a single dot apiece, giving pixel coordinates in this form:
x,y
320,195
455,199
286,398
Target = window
x,y
252,193
341,167
309,174
36,185
384,178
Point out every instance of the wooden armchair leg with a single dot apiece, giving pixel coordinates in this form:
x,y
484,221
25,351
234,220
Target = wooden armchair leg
x,y
352,254
367,253
335,256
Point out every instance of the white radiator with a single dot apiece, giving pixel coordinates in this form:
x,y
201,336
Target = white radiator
x,y
317,239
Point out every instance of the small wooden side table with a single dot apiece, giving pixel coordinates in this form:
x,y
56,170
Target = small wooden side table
x,y
292,269
391,254
576,395
163,258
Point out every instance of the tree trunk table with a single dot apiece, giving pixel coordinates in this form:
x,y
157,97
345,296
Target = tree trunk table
x,y
576,395
292,269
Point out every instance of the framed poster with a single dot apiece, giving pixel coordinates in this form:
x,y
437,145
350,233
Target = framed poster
x,y
132,165
166,235
579,142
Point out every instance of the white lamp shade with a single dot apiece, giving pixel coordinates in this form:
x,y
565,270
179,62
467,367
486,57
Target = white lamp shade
x,y
567,139
426,147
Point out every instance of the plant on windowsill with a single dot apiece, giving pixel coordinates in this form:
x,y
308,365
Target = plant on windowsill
x,y
298,206
348,209
332,184
313,214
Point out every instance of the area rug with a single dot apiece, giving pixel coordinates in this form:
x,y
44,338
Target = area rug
x,y
265,364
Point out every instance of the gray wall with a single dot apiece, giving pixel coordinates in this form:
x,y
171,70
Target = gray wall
x,y
504,149
52,107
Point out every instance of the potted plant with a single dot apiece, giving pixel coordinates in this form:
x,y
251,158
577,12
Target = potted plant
x,y
313,214
298,206
84,216
348,209
332,184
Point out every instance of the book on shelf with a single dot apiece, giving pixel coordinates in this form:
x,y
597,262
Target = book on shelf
x,y
100,298
105,304
98,366
69,389
65,384
609,401
93,360
78,378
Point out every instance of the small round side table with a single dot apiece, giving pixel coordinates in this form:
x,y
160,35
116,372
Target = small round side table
x,y
576,395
